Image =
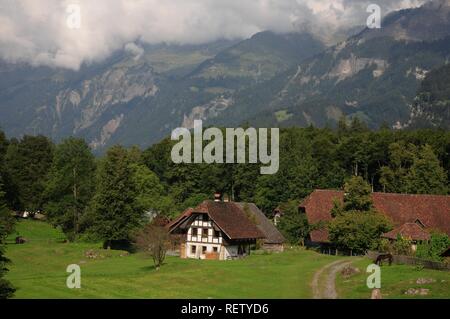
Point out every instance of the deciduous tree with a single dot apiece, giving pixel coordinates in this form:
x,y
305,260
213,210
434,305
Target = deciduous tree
x,y
357,226
293,225
150,193
154,241
70,185
426,175
114,213
358,195
27,164
358,231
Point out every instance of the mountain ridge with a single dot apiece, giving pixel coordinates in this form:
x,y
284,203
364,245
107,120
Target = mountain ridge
x,y
139,96
373,75
133,99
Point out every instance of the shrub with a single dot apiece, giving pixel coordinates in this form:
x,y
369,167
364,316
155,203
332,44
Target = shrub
x,y
402,246
433,249
358,231
293,225
384,245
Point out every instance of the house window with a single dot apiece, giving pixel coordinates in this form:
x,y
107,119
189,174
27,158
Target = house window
x,y
205,233
215,249
193,250
195,231
216,234
204,249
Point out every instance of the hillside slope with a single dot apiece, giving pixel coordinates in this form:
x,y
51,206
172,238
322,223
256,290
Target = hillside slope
x,y
374,75
432,104
138,96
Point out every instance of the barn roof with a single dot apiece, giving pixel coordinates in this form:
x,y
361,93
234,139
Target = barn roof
x,y
318,207
433,211
271,233
229,217
411,231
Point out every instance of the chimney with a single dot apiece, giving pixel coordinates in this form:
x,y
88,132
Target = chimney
x,y
217,197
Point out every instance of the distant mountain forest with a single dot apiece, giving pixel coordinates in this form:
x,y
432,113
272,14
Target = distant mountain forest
x,y
432,104
81,193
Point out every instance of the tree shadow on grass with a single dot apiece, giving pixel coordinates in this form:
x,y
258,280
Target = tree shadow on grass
x,y
124,245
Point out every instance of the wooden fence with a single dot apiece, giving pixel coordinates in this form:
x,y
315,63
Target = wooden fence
x,y
409,260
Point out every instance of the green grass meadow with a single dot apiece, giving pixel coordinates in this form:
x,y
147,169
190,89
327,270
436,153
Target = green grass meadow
x,y
38,270
395,281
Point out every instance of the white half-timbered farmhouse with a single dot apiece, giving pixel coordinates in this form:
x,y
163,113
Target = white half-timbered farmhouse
x,y
224,230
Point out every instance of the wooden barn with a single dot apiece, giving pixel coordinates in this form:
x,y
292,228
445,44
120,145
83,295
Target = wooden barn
x,y
414,216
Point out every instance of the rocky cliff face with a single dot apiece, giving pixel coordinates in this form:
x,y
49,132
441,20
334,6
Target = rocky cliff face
x,y
85,105
138,98
431,107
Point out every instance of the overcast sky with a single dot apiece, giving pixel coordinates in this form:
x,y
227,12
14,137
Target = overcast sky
x,y
42,32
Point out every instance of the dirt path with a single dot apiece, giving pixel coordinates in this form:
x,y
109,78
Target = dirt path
x,y
327,291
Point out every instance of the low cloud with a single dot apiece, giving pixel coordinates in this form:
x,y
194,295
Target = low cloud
x,y
43,32
134,49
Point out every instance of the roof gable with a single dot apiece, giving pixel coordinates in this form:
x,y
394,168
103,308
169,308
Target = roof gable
x,y
183,217
229,217
410,231
432,211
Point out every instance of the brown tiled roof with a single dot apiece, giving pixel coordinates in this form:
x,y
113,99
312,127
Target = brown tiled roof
x,y
318,207
410,231
432,211
271,233
185,215
229,217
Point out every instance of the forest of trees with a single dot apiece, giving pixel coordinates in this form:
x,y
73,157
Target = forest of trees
x,y
81,193
110,197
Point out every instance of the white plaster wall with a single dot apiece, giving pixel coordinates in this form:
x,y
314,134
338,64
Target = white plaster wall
x,y
199,254
200,241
